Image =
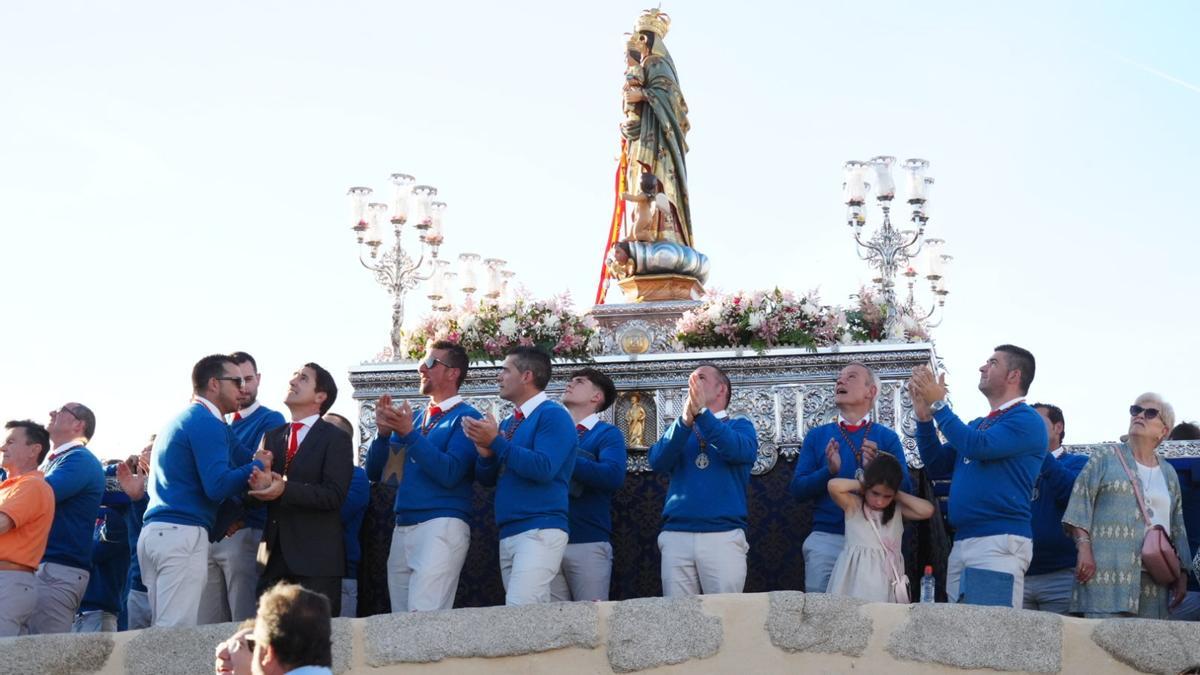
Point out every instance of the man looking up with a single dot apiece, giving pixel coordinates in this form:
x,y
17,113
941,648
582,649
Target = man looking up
x,y
308,481
191,473
435,462
586,570
26,514
1051,574
529,457
841,449
78,482
708,456
232,566
994,461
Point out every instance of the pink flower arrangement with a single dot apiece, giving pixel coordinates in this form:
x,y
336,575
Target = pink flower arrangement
x,y
489,330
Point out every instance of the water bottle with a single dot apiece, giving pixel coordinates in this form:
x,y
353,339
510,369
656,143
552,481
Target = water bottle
x,y
928,585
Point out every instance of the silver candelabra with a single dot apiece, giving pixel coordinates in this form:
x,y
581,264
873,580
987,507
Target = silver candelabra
x,y
399,270
890,251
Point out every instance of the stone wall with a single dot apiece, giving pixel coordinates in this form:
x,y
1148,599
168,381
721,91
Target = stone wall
x,y
783,631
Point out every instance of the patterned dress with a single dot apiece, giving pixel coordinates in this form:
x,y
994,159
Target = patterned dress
x,y
1103,503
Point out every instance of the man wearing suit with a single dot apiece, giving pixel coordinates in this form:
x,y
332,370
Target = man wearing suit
x,y
529,457
313,464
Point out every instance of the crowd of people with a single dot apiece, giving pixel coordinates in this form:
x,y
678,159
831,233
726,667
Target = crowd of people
x,y
232,499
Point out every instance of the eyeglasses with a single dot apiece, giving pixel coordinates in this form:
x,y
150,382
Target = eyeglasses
x,y
239,380
249,640
67,410
1150,413
431,361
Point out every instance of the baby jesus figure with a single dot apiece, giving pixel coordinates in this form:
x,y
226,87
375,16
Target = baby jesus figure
x,y
635,78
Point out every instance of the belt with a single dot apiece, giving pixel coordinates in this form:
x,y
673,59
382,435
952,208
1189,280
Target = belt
x,y
15,567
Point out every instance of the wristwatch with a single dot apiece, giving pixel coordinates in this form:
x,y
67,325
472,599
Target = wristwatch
x,y
938,405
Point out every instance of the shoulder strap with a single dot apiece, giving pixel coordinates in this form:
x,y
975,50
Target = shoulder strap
x,y
887,554
1137,492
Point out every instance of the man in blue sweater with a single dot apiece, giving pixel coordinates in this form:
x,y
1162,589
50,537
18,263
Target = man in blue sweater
x,y
599,472
529,457
233,554
78,482
101,605
994,460
191,473
855,439
430,458
708,456
1051,573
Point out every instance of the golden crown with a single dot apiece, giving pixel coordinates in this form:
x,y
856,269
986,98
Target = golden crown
x,y
655,21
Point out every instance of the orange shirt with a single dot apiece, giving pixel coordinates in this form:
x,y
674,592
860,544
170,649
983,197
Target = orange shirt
x,y
29,501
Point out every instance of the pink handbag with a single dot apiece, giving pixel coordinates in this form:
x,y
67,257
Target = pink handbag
x,y
899,582
1159,558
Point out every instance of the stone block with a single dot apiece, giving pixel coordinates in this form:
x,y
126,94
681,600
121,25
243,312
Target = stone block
x,y
423,637
970,636
652,632
59,654
184,651
1151,646
817,622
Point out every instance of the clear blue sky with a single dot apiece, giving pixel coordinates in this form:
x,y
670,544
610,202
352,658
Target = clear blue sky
x,y
172,176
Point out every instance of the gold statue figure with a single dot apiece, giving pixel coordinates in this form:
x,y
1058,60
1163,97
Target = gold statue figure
x,y
635,420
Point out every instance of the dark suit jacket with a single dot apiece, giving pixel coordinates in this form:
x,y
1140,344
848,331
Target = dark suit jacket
x,y
304,525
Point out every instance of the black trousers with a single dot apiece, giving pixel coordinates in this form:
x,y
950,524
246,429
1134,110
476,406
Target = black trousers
x,y
277,570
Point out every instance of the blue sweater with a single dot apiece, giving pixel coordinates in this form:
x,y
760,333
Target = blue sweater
x,y
1053,550
191,469
1188,470
78,483
810,482
353,510
110,550
249,432
531,471
599,471
712,499
993,470
437,470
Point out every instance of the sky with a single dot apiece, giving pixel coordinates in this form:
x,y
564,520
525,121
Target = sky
x,y
173,177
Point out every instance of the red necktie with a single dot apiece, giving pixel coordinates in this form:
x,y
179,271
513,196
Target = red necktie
x,y
994,413
518,415
851,428
434,411
293,442
581,429
237,417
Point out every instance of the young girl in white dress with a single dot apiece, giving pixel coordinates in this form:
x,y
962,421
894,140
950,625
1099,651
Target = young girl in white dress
x,y
871,565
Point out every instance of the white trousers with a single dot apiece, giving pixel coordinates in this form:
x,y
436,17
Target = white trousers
x,y
821,551
174,560
230,594
18,600
529,561
424,564
999,553
60,590
703,562
585,574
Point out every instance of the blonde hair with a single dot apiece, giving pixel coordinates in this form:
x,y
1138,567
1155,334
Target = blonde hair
x,y
1165,411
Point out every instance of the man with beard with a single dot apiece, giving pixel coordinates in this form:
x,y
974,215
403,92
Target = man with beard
x,y
433,461
232,565
994,460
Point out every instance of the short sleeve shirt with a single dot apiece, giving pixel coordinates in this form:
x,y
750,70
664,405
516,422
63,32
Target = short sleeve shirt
x,y
29,501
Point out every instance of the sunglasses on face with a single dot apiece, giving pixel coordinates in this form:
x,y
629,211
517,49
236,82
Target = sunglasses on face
x,y
431,361
1150,413
239,380
67,410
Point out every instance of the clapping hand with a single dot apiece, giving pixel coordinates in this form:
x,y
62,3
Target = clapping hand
x,y
389,418
132,481
833,457
869,452
695,400
274,485
924,389
482,432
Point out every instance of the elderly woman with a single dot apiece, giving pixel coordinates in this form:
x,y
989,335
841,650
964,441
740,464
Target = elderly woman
x,y
1104,519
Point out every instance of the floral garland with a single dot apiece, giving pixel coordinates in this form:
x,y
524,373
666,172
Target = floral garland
x,y
488,330
765,319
